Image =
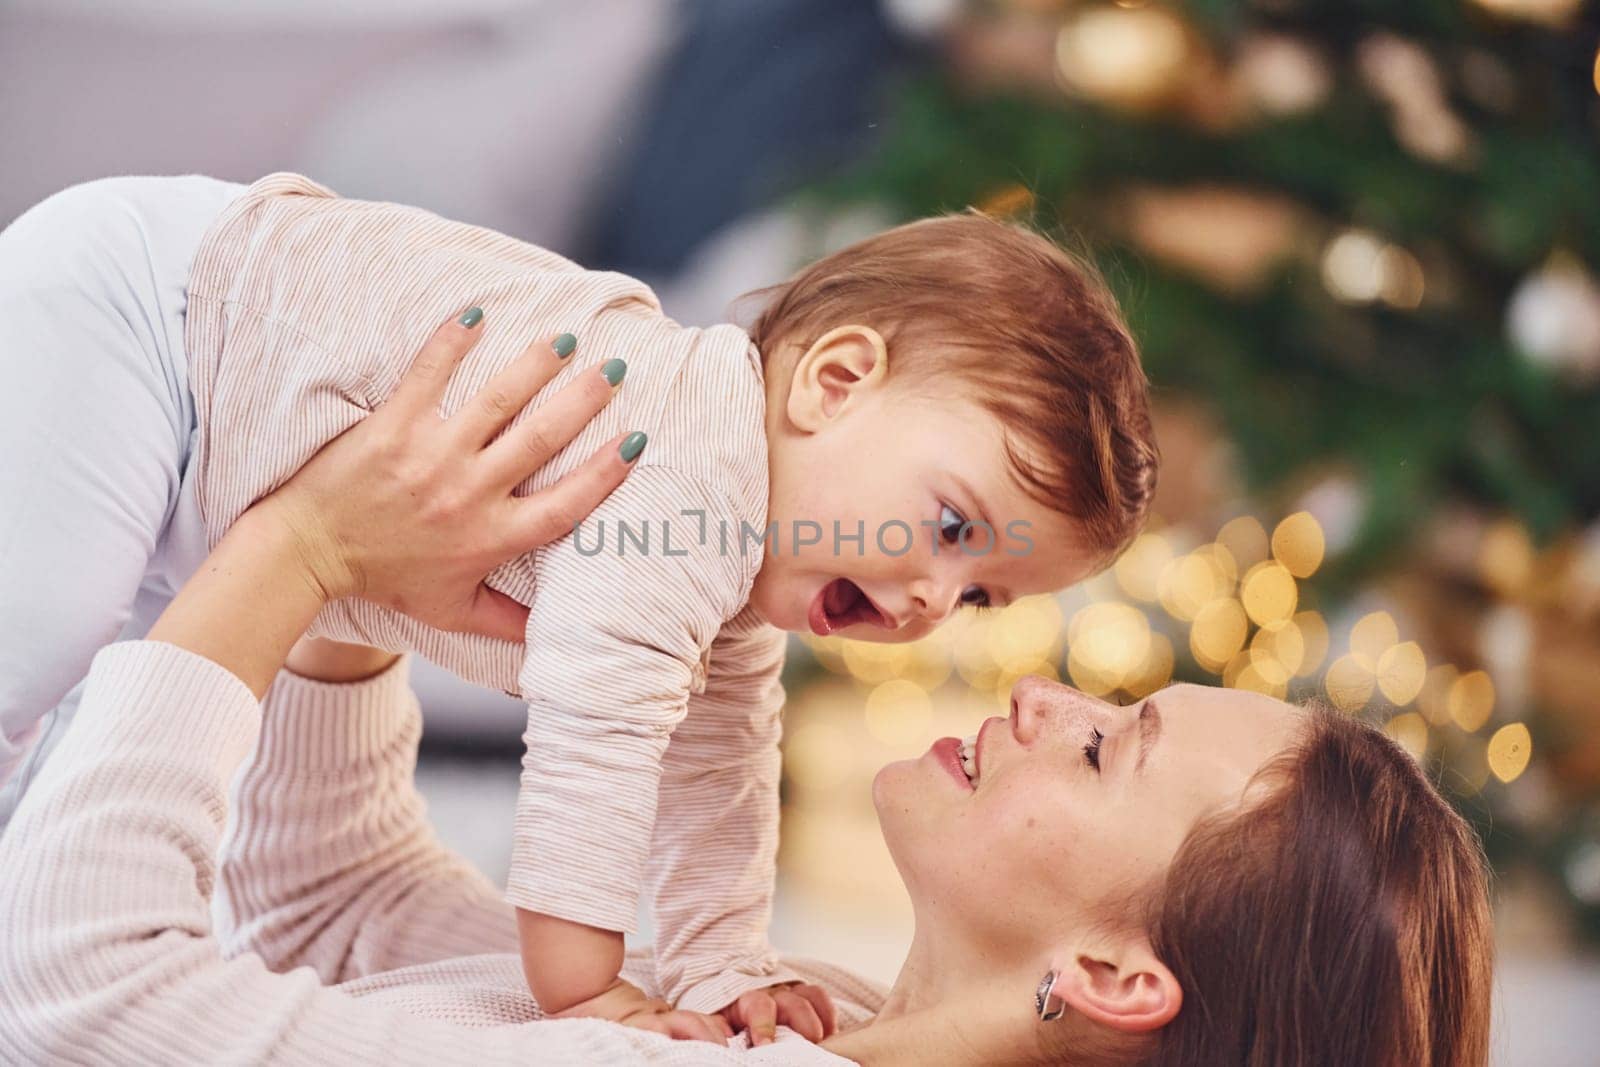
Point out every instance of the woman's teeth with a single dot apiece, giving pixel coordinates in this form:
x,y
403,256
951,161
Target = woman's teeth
x,y
969,757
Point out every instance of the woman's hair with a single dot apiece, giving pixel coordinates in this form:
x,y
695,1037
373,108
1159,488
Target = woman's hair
x,y
1342,919
1013,320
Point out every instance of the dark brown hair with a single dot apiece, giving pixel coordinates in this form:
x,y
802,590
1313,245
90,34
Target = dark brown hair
x,y
1027,328
1343,919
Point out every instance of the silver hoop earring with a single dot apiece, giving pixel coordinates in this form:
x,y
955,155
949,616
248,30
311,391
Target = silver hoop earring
x,y
1049,1006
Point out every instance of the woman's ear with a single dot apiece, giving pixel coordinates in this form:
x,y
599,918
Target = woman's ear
x,y
834,371
1125,988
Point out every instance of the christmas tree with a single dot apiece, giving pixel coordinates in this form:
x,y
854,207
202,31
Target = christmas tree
x,y
1362,238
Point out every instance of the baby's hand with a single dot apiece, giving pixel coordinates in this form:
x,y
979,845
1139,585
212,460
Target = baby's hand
x,y
627,1004
806,1009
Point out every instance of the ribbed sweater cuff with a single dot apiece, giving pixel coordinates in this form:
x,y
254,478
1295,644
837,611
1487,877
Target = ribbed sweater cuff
x,y
171,699
318,727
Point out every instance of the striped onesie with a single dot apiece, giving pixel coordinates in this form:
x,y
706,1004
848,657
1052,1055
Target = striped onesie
x,y
301,313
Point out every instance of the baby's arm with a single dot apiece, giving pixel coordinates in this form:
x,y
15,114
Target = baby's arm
x,y
716,837
615,642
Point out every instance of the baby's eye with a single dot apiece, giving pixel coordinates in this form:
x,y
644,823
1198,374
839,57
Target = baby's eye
x,y
974,596
951,523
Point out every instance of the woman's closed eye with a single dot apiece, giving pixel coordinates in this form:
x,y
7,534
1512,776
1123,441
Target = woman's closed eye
x,y
1091,751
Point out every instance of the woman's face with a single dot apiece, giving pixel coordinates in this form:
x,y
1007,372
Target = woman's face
x,y
1076,807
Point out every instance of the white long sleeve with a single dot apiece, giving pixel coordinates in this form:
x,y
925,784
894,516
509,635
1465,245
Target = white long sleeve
x,y
108,954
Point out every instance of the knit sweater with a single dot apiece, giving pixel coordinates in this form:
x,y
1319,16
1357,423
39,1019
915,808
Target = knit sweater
x,y
304,311
328,873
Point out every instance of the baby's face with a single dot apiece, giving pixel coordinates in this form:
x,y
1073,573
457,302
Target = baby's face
x,y
943,523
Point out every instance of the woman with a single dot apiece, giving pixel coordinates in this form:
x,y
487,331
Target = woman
x,y
1208,877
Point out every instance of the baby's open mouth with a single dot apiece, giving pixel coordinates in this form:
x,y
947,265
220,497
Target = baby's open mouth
x,y
840,604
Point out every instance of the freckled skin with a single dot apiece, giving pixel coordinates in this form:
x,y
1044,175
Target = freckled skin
x,y
1062,844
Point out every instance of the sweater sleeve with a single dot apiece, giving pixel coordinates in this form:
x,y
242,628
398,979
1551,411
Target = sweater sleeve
x,y
109,956
329,860
714,858
624,613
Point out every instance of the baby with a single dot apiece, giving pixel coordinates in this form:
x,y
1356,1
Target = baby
x,y
950,414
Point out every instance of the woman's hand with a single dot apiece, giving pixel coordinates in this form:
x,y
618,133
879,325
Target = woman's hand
x,y
411,511
406,509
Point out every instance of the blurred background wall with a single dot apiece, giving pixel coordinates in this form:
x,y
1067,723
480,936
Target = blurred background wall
x,y
1357,241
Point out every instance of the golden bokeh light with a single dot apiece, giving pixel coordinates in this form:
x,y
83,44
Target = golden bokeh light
x,y
1410,732
814,754
1132,57
1026,632
1298,544
1509,751
1218,633
1371,637
1283,645
1402,670
1269,593
870,662
1007,201
1471,700
1245,539
1434,700
1155,671
1138,570
1189,583
1107,641
897,713
1505,557
1348,683
1250,678
1314,632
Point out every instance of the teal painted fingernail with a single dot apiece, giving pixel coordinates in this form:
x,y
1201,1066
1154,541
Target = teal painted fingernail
x,y
565,345
632,444
613,371
471,317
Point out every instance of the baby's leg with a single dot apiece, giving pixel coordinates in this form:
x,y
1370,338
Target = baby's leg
x,y
94,429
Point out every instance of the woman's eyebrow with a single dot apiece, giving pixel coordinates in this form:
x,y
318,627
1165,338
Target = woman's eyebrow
x,y
1149,731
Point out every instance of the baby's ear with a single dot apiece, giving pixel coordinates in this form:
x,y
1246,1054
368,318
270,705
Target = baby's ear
x,y
844,363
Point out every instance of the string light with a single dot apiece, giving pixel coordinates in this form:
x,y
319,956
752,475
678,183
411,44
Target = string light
x,y
1138,570
1298,544
1348,683
1402,670
1371,637
1218,633
1314,632
1410,732
1471,700
1509,751
1269,593
1245,539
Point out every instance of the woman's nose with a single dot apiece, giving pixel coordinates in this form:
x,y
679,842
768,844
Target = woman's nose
x,y
1039,705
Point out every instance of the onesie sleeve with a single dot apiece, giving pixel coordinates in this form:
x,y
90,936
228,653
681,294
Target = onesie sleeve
x,y
625,611
714,859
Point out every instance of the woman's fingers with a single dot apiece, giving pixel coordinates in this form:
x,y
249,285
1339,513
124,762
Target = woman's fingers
x,y
553,512
822,1003
529,445
797,1013
504,396
759,1012
423,384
